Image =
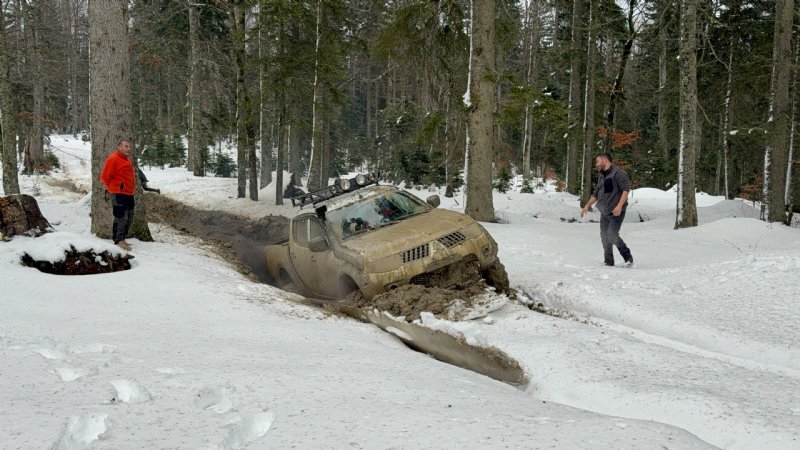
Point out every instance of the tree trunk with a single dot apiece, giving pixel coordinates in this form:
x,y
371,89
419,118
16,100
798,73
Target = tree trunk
x,y
241,128
265,133
663,127
776,155
315,161
480,109
728,109
280,157
293,149
686,214
34,150
588,111
7,117
196,139
531,22
110,97
252,160
574,109
616,90
789,198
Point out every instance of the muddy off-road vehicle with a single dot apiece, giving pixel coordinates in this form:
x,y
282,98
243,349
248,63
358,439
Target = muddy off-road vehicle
x,y
357,235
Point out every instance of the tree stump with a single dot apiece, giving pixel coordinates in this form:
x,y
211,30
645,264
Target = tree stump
x,y
20,214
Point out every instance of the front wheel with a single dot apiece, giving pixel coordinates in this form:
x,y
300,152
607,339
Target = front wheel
x,y
347,287
497,277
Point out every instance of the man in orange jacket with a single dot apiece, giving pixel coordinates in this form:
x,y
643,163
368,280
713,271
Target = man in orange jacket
x,y
118,176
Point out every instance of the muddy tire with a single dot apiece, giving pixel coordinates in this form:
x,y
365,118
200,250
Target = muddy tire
x,y
347,287
285,282
497,277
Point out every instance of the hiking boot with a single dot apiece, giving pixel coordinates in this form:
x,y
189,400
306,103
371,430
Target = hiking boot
x,y
628,262
124,245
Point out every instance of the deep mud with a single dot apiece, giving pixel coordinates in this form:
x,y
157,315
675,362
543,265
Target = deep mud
x,y
453,293
237,239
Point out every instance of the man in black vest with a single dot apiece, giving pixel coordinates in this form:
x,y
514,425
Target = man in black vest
x,y
611,197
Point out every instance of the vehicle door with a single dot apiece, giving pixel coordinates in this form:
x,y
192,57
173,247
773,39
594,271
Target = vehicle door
x,y
310,252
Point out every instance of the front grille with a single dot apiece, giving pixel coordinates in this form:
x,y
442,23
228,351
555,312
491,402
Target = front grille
x,y
452,239
416,253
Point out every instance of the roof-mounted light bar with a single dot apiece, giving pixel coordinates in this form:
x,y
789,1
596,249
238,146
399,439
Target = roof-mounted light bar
x,y
339,187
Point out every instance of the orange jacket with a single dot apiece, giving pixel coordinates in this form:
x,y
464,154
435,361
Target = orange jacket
x,y
118,174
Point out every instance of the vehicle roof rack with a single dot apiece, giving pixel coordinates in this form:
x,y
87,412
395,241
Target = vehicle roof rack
x,y
338,188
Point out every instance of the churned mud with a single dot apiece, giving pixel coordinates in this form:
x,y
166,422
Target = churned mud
x,y
237,239
457,292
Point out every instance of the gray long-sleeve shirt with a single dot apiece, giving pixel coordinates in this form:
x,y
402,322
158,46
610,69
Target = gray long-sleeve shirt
x,y
610,187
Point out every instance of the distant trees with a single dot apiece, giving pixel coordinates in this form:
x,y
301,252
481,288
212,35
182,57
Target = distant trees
x,y
332,86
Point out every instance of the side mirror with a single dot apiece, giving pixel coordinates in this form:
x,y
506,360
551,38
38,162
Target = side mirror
x,y
318,244
434,201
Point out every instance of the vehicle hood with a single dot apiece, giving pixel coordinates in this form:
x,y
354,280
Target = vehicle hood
x,y
406,234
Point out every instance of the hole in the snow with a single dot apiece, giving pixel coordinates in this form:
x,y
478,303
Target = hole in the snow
x,y
81,263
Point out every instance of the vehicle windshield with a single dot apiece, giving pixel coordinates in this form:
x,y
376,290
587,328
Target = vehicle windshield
x,y
373,212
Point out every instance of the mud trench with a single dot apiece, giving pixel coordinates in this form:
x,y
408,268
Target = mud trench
x,y
449,294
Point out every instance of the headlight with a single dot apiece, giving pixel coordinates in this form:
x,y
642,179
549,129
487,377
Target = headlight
x,y
345,185
361,180
385,264
473,230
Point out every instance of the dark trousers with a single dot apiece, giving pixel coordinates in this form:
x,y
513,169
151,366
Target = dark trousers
x,y
609,236
123,215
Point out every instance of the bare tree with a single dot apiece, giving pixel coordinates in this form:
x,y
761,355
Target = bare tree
x,y
480,101
777,150
686,214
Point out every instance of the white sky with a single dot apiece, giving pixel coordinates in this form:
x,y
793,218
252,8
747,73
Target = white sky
x,y
696,346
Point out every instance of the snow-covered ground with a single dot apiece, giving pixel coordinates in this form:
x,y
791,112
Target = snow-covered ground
x,y
695,346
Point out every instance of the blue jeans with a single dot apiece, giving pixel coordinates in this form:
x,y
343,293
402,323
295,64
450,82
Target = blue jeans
x,y
609,236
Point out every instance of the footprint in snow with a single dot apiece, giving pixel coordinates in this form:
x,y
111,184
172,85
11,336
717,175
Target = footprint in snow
x,y
81,431
129,391
50,353
170,372
71,374
244,430
214,398
93,348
